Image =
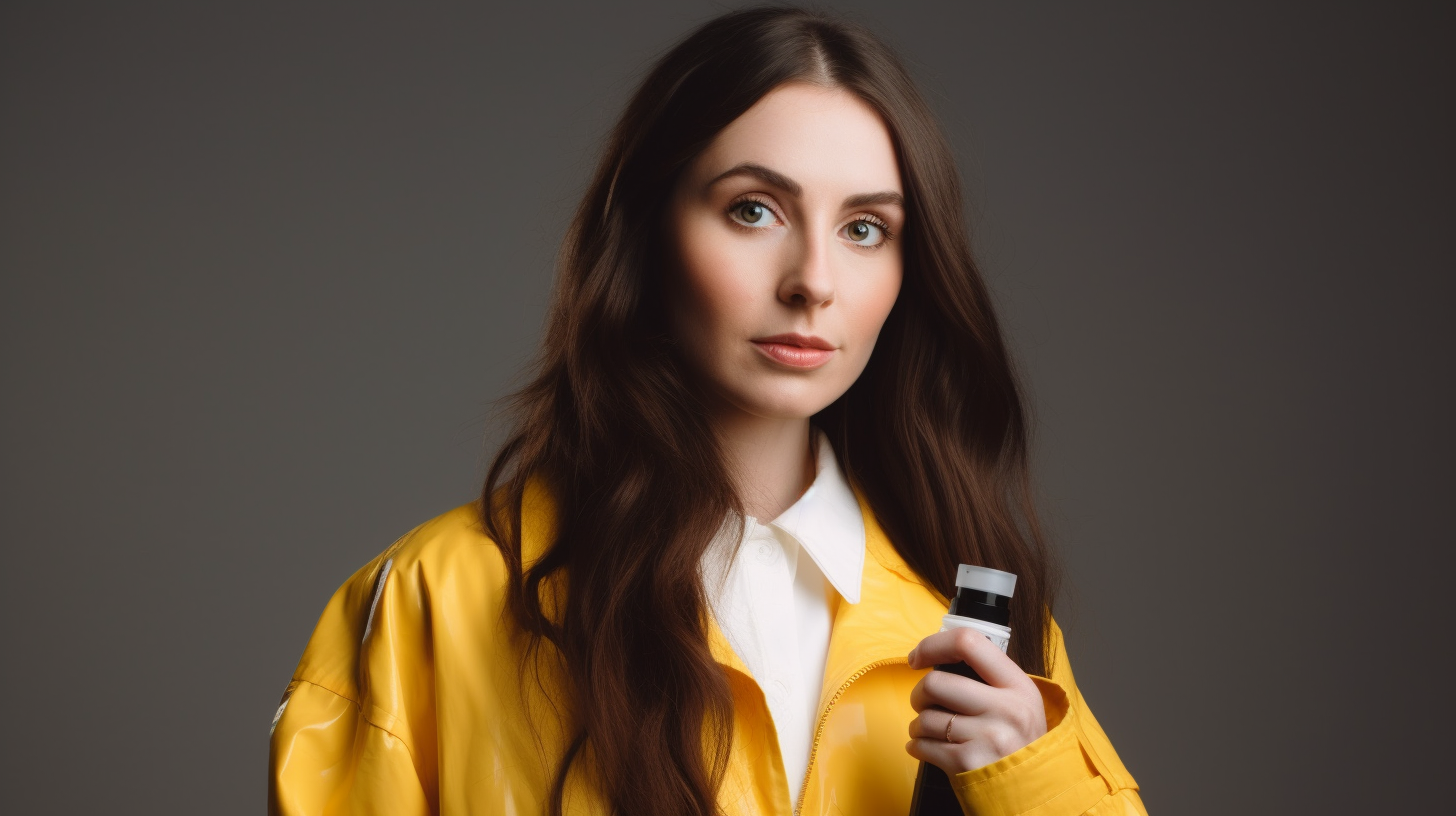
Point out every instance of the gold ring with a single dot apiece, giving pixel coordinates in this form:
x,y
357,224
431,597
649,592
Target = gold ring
x,y
948,725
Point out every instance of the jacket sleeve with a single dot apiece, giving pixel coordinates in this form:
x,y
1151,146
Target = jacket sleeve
x,y
1070,770
325,757
337,745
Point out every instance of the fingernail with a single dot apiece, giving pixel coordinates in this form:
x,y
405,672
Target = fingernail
x,y
912,654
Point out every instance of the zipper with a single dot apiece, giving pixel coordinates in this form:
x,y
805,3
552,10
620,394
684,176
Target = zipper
x,y
824,720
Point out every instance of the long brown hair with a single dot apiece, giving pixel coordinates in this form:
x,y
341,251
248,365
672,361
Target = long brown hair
x,y
932,433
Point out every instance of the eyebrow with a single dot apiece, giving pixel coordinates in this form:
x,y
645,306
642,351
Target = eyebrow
x,y
783,182
866,199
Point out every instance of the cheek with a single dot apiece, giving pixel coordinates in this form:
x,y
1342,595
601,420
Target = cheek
x,y
872,304
713,284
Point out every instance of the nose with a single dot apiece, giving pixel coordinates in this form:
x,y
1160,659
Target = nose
x,y
808,279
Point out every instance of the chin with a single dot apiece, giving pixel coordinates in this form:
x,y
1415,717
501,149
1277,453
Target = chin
x,y
793,405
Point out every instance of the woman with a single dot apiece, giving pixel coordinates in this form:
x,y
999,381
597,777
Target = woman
x,y
767,309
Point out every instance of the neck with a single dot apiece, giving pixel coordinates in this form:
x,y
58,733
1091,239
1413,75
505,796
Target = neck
x,y
768,460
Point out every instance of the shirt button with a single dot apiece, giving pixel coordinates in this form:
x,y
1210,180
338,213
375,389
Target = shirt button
x,y
767,552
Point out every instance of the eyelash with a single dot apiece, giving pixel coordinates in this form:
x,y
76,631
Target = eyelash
x,y
748,199
868,218
871,218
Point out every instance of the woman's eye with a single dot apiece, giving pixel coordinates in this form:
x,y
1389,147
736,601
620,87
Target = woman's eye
x,y
753,214
865,233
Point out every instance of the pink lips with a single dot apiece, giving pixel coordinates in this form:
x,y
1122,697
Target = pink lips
x,y
796,350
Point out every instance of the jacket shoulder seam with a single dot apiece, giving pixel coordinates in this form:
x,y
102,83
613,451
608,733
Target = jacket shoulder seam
x,y
325,687
362,714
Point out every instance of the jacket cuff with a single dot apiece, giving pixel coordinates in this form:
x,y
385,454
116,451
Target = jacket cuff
x,y
1051,776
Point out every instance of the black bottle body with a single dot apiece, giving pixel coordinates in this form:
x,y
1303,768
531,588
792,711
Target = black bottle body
x,y
934,795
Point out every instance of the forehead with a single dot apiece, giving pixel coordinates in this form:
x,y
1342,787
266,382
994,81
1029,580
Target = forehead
x,y
826,139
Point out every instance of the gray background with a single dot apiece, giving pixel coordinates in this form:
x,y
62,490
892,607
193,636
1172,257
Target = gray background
x,y
264,272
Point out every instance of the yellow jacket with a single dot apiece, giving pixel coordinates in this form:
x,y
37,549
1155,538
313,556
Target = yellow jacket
x,y
408,701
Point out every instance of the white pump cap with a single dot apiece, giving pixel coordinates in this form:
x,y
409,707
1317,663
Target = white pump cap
x,y
985,579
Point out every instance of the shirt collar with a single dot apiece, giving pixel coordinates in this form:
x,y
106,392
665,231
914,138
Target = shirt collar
x,y
827,523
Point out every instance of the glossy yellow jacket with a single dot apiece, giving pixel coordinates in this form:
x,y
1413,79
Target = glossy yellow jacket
x,y
407,701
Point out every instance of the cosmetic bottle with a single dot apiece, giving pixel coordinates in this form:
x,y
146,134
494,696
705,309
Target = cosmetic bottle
x,y
982,602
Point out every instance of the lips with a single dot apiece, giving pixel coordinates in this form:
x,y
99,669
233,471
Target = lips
x,y
796,350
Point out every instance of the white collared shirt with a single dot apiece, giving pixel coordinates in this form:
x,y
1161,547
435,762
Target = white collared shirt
x,y
775,604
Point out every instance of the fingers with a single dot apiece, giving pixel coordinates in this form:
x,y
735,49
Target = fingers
x,y
972,648
953,693
933,722
1001,715
943,755
974,741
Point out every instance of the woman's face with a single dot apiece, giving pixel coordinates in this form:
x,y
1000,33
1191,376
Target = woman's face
x,y
787,258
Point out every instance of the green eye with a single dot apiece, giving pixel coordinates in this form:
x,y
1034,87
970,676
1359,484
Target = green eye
x,y
865,233
752,214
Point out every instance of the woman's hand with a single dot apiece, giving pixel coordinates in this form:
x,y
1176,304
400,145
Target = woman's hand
x,y
991,719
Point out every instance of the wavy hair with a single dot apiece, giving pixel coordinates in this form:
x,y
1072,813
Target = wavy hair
x,y
932,433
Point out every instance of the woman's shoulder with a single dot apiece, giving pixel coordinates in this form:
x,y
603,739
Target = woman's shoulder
x,y
446,543
446,567
425,559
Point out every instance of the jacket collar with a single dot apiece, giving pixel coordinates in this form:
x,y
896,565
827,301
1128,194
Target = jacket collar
x,y
896,611
896,608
